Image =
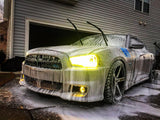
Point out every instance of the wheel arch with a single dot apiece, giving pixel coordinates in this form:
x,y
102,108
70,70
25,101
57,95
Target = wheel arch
x,y
119,59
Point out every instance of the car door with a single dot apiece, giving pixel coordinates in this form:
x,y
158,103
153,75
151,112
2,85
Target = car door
x,y
137,47
148,62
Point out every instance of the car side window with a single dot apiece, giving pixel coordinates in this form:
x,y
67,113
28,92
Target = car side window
x,y
136,43
116,40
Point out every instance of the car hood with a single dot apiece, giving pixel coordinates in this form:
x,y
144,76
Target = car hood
x,y
68,49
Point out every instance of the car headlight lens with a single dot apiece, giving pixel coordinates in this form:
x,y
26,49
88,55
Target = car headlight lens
x,y
82,89
85,61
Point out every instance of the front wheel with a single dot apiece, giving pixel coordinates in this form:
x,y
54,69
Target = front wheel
x,y
115,82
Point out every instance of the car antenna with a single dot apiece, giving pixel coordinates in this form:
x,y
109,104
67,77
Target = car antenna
x,y
75,30
104,36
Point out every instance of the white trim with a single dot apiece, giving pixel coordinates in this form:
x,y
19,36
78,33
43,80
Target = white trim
x,y
142,6
134,4
45,22
27,28
11,29
27,22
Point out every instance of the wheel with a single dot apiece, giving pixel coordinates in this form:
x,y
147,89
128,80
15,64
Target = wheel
x,y
115,82
152,76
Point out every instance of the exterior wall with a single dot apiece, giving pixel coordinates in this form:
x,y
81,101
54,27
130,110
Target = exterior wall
x,y
113,16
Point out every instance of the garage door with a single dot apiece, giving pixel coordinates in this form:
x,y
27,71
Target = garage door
x,y
43,35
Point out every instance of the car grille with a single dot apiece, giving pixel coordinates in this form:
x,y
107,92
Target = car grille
x,y
49,85
43,61
31,81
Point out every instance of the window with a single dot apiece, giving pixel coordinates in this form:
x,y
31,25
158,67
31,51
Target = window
x,y
142,5
136,43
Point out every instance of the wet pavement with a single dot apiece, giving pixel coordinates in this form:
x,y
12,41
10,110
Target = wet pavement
x,y
141,102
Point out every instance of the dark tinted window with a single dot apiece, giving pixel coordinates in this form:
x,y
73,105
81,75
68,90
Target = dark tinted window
x,y
134,41
142,5
138,5
146,6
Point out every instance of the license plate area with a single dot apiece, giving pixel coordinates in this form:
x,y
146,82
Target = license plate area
x,y
43,74
54,86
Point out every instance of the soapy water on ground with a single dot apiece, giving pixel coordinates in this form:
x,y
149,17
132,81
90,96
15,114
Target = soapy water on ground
x,y
139,101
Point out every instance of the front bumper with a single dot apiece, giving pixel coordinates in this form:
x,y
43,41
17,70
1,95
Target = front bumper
x,y
93,79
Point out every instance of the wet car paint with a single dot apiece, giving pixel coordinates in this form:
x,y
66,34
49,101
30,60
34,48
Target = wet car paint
x,y
135,60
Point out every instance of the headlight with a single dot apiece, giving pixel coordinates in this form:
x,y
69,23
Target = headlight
x,y
85,61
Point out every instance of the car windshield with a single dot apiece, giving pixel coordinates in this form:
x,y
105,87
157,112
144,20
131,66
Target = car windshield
x,y
97,40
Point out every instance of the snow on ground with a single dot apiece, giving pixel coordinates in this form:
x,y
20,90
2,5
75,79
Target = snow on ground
x,y
32,100
106,112
144,90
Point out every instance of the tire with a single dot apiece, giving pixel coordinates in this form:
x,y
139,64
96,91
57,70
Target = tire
x,y
115,83
152,76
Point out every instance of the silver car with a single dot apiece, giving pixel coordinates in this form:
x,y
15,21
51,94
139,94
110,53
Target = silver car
x,y
89,70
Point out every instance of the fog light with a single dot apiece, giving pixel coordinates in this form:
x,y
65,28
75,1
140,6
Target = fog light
x,y
79,90
82,89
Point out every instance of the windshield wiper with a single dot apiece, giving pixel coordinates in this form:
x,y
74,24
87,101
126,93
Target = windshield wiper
x,y
75,30
104,36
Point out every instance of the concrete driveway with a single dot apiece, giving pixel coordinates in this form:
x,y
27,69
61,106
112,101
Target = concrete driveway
x,y
141,102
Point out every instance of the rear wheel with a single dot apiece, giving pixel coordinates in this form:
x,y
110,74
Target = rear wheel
x,y
152,76
114,86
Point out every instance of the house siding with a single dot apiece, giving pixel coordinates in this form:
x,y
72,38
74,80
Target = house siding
x,y
113,16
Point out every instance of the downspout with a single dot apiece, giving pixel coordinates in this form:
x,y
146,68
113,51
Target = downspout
x,y
11,31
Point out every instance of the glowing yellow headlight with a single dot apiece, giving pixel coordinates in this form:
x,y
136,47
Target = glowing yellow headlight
x,y
82,89
85,61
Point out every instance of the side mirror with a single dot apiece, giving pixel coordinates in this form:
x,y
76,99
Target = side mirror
x,y
136,46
